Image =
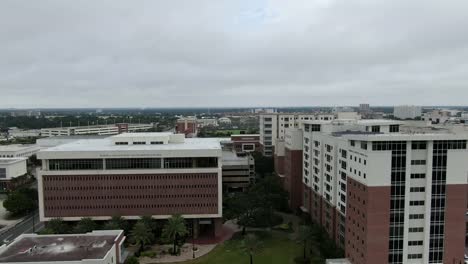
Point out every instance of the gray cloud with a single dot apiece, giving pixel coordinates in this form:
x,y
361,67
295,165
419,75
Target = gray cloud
x,y
232,53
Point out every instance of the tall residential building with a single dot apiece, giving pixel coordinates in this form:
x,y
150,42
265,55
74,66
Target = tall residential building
x,y
386,196
273,127
131,175
407,111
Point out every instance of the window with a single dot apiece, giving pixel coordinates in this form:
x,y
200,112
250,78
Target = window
x,y
416,229
205,162
417,189
122,164
416,216
315,128
415,243
418,162
418,145
376,129
416,203
157,142
78,164
414,256
121,143
2,173
394,128
352,142
418,176
363,145
139,143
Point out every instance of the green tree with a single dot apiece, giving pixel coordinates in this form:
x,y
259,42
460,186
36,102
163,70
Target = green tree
x,y
174,229
58,226
117,222
21,201
85,225
141,235
132,260
251,245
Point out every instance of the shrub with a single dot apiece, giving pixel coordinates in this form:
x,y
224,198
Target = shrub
x,y
301,260
149,254
132,260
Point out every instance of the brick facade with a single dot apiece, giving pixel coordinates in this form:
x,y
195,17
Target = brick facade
x,y
455,223
293,177
367,223
130,195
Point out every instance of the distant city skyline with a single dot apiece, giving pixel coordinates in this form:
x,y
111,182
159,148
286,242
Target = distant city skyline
x,y
100,54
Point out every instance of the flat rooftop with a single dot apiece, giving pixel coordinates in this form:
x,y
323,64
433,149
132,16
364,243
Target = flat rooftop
x,y
16,147
4,161
93,126
106,144
58,248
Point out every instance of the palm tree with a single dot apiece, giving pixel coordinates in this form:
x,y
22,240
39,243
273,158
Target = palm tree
x,y
174,229
85,225
141,235
251,244
58,226
305,233
117,222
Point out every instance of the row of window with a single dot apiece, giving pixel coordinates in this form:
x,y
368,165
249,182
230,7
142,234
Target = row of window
x,y
127,187
113,197
416,216
416,203
157,177
130,206
418,162
417,189
135,163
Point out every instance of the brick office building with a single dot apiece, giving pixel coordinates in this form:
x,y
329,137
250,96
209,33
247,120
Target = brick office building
x,y
246,142
187,126
132,175
387,196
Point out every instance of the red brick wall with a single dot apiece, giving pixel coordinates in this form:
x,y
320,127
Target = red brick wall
x,y
316,207
190,128
367,223
455,230
293,177
279,164
130,195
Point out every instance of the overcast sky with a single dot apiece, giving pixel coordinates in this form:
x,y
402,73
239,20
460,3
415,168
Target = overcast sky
x,y
232,53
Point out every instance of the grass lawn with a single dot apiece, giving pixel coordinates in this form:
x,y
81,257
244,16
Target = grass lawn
x,y
277,249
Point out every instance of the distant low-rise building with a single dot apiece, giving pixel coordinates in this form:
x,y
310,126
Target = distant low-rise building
x,y
187,126
97,247
11,168
21,133
407,111
17,150
246,142
112,129
224,120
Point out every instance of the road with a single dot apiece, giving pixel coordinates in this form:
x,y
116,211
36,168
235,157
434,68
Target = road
x,y
25,226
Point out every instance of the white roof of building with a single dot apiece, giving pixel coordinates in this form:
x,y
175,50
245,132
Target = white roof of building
x,y
6,161
16,147
106,144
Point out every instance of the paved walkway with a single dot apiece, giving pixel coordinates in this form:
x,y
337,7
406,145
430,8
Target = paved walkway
x,y
203,245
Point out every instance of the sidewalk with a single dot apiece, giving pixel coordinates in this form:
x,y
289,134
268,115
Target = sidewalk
x,y
203,245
